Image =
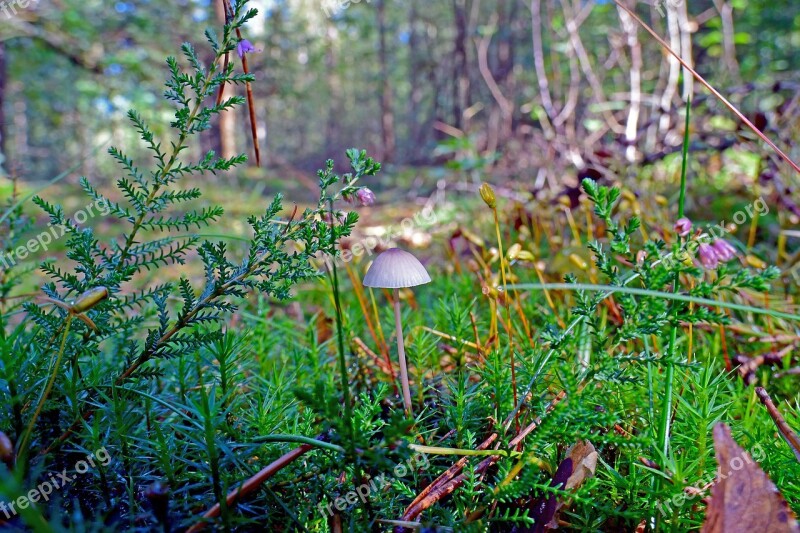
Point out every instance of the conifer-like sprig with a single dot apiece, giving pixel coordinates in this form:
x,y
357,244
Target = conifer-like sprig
x,y
145,324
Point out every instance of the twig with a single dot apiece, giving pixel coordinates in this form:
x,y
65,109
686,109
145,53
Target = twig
x,y
385,366
449,481
451,472
251,485
789,436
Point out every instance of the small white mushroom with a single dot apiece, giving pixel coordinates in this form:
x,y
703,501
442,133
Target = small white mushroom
x,y
396,269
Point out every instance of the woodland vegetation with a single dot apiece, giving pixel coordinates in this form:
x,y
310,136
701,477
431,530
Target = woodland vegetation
x,y
554,286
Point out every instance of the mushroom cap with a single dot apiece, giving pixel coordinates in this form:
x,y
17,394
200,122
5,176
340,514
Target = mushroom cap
x,y
394,269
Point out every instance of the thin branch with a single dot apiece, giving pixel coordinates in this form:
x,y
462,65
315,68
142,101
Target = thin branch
x,y
251,485
786,432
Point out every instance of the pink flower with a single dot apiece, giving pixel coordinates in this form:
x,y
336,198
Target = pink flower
x,y
365,196
708,256
246,47
725,251
683,226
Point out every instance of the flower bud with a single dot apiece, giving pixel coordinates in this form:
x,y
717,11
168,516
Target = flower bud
x,y
525,255
578,261
708,256
365,197
473,238
683,226
755,262
724,250
89,299
487,193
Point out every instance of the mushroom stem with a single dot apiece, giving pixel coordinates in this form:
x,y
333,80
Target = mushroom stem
x,y
401,350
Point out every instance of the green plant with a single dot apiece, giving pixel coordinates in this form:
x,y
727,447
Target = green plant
x,y
77,376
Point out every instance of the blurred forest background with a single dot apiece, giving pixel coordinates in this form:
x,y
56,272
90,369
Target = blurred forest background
x,y
537,90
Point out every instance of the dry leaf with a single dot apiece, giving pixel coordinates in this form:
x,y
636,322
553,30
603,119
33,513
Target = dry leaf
x,y
744,499
584,456
579,465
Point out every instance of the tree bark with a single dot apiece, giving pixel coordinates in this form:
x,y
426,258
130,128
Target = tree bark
x,y
226,126
632,39
3,129
538,60
334,91
461,82
415,141
387,113
725,10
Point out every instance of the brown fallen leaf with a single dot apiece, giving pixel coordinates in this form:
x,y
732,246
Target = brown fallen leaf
x,y
744,499
579,465
584,456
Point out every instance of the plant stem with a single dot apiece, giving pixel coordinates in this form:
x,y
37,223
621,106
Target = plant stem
x,y
684,161
609,290
48,388
669,378
300,439
348,408
666,407
401,351
439,450
509,326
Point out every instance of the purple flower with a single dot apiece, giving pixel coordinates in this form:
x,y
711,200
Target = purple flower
x,y
683,226
365,197
708,256
724,250
245,47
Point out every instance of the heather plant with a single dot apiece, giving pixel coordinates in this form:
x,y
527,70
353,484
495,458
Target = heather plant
x,y
97,338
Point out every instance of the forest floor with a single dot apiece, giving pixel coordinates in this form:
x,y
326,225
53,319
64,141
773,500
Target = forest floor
x,y
605,384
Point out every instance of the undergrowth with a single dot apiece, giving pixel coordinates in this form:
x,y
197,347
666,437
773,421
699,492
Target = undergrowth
x,y
188,405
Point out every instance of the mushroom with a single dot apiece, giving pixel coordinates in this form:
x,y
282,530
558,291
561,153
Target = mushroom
x,y
396,269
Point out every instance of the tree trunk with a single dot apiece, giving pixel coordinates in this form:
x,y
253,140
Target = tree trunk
x,y
415,141
334,92
460,65
226,128
725,10
3,129
387,113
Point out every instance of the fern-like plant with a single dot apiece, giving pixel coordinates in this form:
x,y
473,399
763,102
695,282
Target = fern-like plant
x,y
141,326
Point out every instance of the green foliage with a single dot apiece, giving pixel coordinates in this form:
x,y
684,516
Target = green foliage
x,y
116,355
190,402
